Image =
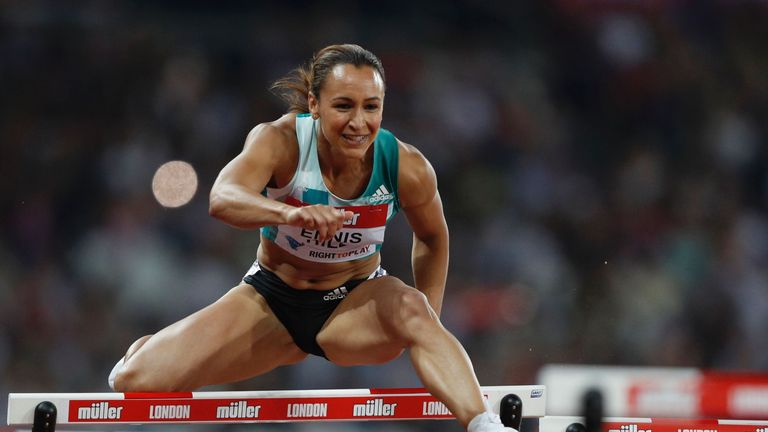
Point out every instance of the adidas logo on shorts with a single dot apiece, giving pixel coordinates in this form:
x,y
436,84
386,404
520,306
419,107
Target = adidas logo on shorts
x,y
381,194
337,294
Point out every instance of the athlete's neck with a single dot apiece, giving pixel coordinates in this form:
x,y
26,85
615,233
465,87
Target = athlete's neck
x,y
335,163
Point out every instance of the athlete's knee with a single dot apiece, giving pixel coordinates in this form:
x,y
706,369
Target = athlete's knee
x,y
126,380
414,304
414,315
138,375
136,346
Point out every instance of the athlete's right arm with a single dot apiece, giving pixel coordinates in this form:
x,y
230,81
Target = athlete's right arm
x,y
236,197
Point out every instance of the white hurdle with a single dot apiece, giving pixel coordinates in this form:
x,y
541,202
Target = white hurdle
x,y
645,424
257,406
650,399
657,392
43,411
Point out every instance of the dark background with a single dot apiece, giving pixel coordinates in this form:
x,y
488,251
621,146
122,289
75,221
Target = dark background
x,y
603,167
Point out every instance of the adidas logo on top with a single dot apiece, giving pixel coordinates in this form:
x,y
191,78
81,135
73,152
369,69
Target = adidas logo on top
x,y
338,293
381,194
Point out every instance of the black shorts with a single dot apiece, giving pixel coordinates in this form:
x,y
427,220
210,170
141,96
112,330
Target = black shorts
x,y
302,312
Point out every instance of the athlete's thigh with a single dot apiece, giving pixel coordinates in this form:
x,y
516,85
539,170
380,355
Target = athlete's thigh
x,y
236,337
359,330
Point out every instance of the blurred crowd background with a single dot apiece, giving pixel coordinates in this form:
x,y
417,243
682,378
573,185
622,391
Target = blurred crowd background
x,y
603,167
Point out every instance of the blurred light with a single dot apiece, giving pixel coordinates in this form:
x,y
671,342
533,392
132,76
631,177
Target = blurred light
x,y
174,183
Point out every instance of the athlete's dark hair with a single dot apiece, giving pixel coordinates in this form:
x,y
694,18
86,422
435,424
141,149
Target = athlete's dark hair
x,y
294,88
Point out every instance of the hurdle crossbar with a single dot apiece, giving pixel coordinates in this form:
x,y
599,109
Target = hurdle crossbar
x,y
643,424
256,406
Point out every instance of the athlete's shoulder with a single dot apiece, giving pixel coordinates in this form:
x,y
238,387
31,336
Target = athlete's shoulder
x,y
417,181
273,145
279,131
413,160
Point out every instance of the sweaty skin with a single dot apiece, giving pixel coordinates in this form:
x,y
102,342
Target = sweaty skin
x,y
239,337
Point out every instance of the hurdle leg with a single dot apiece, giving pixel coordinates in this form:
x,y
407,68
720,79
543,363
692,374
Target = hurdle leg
x,y
592,407
511,411
576,427
45,417
593,410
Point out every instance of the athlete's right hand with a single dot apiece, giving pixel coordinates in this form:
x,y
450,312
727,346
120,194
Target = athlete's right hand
x,y
324,219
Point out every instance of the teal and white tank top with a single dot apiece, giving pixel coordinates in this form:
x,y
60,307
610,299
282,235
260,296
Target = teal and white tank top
x,y
363,234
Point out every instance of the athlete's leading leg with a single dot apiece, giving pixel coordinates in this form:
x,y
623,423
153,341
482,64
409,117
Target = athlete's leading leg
x,y
235,338
383,316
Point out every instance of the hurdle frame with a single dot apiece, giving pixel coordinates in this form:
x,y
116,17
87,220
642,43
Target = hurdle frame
x,y
44,411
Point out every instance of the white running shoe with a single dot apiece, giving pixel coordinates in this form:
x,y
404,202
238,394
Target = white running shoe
x,y
488,422
113,374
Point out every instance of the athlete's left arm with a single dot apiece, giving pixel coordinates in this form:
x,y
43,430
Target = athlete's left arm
x,y
420,201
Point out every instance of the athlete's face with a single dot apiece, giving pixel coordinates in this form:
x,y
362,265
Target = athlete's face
x,y
349,107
